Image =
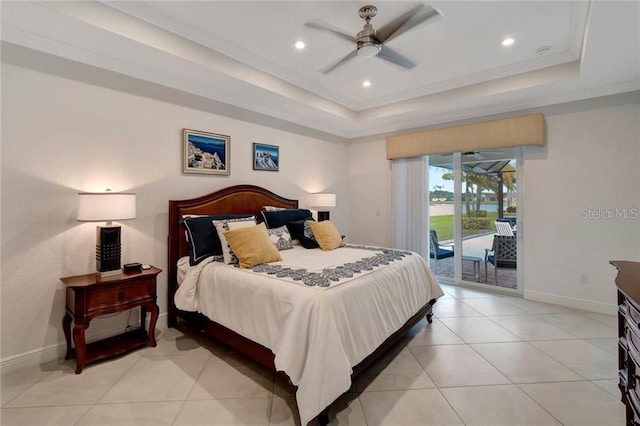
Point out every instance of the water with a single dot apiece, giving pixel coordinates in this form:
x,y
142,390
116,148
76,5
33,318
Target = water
x,y
210,145
487,207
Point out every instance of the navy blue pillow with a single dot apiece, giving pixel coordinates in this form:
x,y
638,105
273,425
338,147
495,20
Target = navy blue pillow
x,y
202,236
297,230
276,219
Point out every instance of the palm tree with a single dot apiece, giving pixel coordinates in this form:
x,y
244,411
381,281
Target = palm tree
x,y
476,182
509,181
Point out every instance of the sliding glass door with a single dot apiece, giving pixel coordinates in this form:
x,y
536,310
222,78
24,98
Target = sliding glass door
x,y
441,220
473,208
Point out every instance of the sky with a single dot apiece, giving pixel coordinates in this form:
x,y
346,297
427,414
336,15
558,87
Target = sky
x,y
435,178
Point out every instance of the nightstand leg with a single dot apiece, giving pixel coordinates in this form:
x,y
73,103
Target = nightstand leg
x,y
66,326
152,325
143,317
81,346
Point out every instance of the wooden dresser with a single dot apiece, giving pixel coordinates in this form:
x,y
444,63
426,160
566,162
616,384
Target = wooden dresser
x,y
628,283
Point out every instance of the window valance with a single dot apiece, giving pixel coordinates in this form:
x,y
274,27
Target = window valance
x,y
505,133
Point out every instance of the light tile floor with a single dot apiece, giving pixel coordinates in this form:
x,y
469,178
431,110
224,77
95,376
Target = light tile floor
x,y
487,359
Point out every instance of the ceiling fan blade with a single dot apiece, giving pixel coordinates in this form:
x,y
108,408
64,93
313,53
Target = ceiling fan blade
x,y
319,25
327,69
394,57
387,30
407,22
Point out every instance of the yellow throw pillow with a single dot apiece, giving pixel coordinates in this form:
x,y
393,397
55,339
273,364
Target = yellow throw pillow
x,y
252,245
326,235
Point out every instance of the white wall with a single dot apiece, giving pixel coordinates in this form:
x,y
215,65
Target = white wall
x,y
60,136
370,182
590,165
591,161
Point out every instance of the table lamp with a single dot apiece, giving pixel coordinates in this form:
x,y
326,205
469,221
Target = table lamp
x,y
323,202
107,207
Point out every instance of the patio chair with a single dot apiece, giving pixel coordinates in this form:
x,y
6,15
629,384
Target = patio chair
x,y
504,254
504,228
511,220
436,252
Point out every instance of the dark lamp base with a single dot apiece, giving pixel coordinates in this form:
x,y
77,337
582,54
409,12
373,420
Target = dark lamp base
x,y
323,216
108,250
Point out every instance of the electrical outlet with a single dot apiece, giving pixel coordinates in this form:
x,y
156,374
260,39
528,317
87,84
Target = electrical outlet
x,y
583,279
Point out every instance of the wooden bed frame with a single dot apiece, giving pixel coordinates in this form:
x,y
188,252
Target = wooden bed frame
x,y
243,199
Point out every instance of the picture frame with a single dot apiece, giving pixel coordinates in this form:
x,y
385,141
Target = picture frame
x,y
205,153
266,157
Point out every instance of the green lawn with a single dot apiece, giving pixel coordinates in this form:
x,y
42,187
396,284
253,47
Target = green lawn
x,y
443,225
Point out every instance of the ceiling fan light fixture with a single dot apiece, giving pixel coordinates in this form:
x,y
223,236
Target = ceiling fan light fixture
x,y
369,49
300,45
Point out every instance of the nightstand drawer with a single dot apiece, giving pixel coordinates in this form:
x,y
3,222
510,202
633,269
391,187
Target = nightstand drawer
x,y
120,294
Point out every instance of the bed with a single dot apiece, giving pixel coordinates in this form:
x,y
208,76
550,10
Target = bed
x,y
320,334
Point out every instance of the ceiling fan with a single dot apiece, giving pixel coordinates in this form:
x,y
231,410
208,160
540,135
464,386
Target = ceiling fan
x,y
476,154
371,42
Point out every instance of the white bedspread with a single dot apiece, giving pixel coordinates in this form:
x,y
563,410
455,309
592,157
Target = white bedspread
x,y
316,333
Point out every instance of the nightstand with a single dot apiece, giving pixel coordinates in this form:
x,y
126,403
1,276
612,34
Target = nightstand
x,y
89,296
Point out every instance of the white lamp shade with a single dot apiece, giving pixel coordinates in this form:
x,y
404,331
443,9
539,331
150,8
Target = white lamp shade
x,y
106,206
323,200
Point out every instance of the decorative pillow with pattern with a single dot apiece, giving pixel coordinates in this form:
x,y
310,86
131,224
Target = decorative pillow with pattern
x,y
227,225
280,238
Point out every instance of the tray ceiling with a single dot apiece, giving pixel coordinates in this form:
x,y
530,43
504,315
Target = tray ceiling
x,y
242,54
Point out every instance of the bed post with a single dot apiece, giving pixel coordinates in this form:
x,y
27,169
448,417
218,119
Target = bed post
x,y
172,281
429,315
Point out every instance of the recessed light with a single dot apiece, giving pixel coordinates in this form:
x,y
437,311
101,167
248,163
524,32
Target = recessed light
x,y
508,41
300,45
366,83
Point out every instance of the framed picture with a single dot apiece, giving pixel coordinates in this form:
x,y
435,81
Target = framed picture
x,y
204,152
266,157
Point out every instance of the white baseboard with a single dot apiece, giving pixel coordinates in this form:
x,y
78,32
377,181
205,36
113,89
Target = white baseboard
x,y
572,302
55,352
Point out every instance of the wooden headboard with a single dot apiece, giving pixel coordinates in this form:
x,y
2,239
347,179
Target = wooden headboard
x,y
239,199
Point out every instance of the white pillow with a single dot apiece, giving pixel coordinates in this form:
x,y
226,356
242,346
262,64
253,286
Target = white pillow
x,y
227,225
